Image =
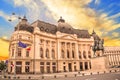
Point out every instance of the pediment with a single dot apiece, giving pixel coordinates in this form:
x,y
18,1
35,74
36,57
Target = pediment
x,y
69,37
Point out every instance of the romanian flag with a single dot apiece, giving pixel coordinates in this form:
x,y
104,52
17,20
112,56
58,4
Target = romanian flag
x,y
28,48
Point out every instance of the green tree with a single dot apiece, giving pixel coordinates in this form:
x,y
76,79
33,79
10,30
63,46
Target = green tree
x,y
3,67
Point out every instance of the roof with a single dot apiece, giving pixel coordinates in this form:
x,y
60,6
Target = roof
x,y
51,28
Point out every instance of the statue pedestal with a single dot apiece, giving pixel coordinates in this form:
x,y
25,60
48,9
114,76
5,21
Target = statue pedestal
x,y
99,63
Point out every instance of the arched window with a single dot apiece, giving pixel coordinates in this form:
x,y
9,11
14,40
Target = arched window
x,y
80,55
84,54
47,53
89,54
62,54
68,55
41,52
53,54
73,55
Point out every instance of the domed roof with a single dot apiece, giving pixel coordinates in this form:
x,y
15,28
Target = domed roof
x,y
62,23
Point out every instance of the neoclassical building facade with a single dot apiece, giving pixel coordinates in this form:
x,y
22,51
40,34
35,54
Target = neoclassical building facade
x,y
113,55
53,48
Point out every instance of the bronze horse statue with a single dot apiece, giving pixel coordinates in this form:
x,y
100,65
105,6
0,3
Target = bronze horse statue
x,y
98,45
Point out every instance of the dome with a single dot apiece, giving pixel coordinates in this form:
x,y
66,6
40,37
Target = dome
x,y
65,25
61,23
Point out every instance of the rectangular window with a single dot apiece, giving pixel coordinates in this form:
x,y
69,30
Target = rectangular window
x,y
48,63
27,63
27,53
13,52
41,63
19,52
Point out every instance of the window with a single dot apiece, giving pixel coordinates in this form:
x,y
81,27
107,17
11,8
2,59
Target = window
x,y
53,54
48,63
47,53
27,63
20,37
68,56
13,52
28,38
84,54
80,55
19,52
89,54
27,53
27,66
73,56
62,54
41,52
41,63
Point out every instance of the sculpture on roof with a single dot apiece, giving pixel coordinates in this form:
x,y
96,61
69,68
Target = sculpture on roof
x,y
98,44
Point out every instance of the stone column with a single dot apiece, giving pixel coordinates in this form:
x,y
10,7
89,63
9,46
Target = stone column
x,y
83,64
65,51
70,51
23,66
45,67
72,64
76,51
50,50
66,66
44,50
88,65
51,70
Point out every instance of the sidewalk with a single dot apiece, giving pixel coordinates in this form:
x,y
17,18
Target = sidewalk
x,y
61,75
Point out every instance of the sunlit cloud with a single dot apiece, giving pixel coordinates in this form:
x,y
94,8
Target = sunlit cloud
x,y
4,45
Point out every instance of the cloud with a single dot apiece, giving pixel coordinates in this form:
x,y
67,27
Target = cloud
x,y
76,12
115,34
4,15
32,8
97,2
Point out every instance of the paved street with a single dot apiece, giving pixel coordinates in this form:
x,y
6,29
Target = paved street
x,y
107,76
71,76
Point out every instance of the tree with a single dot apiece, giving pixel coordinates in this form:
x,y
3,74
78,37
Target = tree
x,y
3,67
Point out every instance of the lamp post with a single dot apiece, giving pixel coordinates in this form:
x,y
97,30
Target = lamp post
x,y
17,39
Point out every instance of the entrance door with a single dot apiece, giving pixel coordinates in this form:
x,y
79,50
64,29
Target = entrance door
x,y
70,66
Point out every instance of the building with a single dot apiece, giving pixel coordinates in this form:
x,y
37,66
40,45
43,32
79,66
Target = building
x,y
113,55
53,48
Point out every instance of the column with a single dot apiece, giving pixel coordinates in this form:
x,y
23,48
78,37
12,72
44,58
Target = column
x,y
50,50
65,51
51,70
45,67
44,50
83,64
76,51
88,63
72,65
70,51
23,66
37,67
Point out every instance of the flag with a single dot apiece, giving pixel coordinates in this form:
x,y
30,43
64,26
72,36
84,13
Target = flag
x,y
23,45
28,48
12,65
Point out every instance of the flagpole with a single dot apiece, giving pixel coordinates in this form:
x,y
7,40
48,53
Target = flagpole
x,y
16,45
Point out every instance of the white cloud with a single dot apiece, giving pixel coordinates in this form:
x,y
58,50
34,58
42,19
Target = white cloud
x,y
97,2
4,15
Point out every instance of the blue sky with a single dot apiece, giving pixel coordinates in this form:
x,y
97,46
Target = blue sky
x,y
101,15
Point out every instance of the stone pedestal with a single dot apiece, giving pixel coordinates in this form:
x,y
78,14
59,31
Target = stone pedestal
x,y
99,63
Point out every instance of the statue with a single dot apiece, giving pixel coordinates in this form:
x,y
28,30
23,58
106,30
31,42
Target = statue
x,y
98,45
